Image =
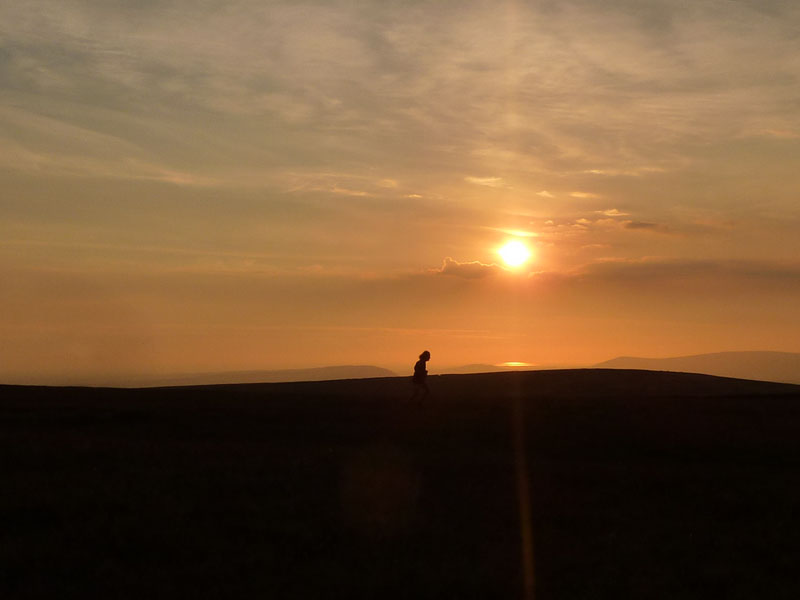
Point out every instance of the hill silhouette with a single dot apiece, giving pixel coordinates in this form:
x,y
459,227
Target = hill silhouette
x,y
473,368
765,366
631,484
217,378
274,376
476,368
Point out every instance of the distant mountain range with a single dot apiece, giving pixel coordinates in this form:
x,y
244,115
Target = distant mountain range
x,y
783,367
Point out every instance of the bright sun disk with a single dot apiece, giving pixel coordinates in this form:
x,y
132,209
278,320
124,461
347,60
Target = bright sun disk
x,y
514,253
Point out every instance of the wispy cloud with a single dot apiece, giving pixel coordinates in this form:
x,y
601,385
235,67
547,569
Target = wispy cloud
x,y
494,182
645,226
294,84
514,232
782,134
628,172
468,270
612,212
773,274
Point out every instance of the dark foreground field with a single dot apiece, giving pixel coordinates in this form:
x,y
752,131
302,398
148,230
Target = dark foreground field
x,y
641,485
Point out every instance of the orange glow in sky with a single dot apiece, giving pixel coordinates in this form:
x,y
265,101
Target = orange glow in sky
x,y
186,188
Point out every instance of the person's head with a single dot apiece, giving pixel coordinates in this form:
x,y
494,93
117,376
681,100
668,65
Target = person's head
x,y
425,355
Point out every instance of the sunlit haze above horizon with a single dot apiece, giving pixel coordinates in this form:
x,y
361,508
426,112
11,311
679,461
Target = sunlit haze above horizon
x,y
201,186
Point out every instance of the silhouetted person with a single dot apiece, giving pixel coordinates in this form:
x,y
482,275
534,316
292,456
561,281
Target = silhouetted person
x,y
420,378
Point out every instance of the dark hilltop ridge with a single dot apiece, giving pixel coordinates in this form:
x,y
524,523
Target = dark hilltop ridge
x,y
489,368
628,484
218,378
764,366
274,376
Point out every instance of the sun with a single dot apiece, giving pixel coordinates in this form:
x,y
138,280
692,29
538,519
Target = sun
x,y
514,253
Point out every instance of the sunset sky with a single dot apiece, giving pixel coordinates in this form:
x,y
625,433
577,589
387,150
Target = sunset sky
x,y
191,186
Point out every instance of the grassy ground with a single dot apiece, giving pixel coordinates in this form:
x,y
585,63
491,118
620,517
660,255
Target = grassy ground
x,y
642,485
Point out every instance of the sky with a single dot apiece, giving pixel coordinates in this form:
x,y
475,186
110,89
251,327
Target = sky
x,y
211,186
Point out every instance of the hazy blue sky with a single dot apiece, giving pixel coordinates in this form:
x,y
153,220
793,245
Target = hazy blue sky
x,y
199,185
